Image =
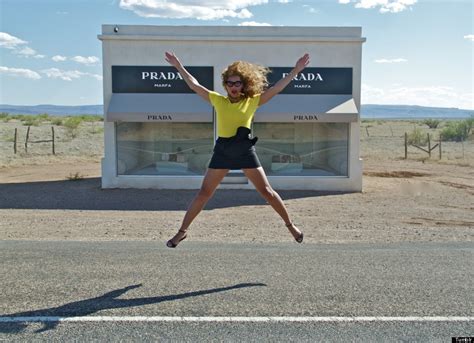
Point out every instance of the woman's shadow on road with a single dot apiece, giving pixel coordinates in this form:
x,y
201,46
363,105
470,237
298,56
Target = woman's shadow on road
x,y
50,317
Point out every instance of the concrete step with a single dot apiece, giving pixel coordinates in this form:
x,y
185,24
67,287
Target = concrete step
x,y
235,178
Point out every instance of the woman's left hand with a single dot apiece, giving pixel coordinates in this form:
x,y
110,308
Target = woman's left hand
x,y
302,62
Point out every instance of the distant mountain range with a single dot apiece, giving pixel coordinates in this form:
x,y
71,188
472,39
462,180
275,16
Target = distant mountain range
x,y
367,112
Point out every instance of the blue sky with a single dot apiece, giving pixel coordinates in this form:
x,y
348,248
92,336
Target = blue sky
x,y
418,52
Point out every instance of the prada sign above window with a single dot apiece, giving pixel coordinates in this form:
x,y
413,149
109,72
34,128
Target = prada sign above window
x,y
314,80
157,79
158,93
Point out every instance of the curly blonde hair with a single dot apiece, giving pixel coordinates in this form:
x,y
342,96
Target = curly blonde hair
x,y
253,76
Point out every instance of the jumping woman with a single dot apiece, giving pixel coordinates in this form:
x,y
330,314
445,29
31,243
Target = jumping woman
x,y
246,87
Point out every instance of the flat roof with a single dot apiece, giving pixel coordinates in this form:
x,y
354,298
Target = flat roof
x,y
233,33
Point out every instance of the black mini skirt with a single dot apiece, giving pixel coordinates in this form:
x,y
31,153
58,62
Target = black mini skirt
x,y
232,154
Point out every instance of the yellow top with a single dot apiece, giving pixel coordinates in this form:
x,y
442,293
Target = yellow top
x,y
232,115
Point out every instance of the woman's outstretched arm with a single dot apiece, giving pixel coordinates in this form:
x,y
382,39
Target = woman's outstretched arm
x,y
280,85
200,90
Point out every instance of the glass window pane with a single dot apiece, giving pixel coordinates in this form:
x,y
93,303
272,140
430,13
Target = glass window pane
x,y
164,148
314,149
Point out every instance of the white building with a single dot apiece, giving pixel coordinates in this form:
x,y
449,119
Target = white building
x,y
159,134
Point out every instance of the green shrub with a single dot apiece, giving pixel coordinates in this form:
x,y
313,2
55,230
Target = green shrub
x,y
5,116
30,121
432,123
417,137
90,118
71,124
57,121
43,116
17,116
457,131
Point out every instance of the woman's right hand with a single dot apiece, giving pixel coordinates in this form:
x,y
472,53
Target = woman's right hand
x,y
172,59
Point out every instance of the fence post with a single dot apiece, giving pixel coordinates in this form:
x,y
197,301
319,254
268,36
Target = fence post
x,y
367,130
14,144
439,147
26,140
406,145
52,131
429,145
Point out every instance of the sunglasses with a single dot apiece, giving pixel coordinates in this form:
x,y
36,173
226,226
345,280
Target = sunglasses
x,y
233,83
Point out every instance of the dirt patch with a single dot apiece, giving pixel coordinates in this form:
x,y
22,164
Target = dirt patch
x,y
456,185
413,200
444,222
397,173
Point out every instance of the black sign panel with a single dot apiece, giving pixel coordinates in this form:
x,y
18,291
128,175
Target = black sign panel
x,y
157,79
315,80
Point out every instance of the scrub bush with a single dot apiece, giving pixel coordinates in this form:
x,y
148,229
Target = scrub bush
x,y
91,118
432,123
57,121
71,124
458,131
30,120
43,117
417,137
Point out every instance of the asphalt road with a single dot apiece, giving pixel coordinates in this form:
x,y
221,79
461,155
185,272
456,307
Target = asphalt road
x,y
146,279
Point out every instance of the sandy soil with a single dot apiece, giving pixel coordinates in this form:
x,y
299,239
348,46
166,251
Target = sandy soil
x,y
420,199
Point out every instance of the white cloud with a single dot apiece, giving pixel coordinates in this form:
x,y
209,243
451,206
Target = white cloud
x,y
67,75
393,6
284,1
91,60
59,58
254,23
469,37
199,9
19,72
95,76
393,60
9,41
431,96
26,51
16,44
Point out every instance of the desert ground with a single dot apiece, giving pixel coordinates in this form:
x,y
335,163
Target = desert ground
x,y
419,199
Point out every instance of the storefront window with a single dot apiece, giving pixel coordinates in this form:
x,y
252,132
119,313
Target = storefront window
x,y
163,148
303,149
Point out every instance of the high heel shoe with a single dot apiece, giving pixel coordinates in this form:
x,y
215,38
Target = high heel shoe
x,y
299,239
170,244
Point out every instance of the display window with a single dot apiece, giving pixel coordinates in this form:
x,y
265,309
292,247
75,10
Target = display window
x,y
163,148
303,149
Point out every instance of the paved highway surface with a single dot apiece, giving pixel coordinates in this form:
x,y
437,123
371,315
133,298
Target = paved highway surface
x,y
202,292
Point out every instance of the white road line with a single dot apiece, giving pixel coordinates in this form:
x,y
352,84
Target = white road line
x,y
233,319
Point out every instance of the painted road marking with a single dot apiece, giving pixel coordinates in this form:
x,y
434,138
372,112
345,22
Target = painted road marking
x,y
232,319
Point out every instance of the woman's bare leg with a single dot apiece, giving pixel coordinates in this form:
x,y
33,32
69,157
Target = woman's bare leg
x,y
259,179
209,184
